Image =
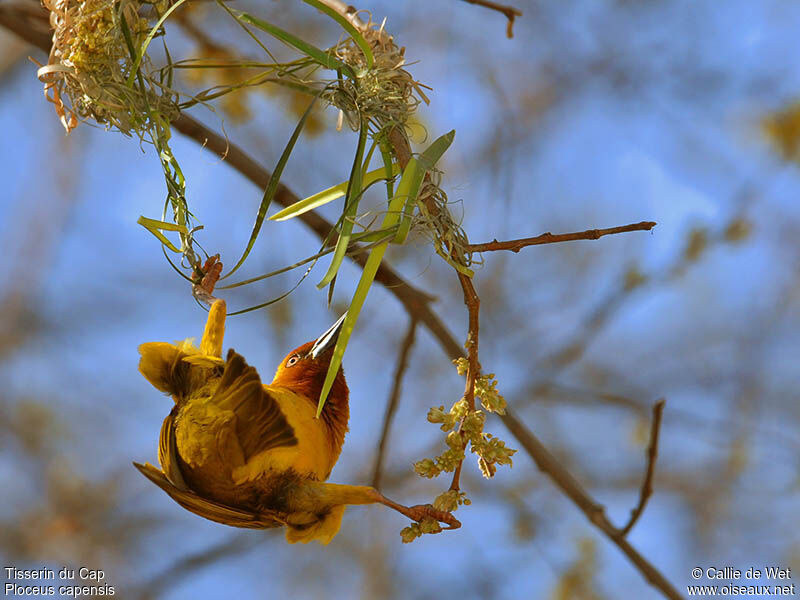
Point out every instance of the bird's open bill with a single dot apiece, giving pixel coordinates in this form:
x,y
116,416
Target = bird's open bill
x,y
328,339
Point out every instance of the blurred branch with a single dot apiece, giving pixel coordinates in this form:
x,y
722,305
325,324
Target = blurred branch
x,y
652,454
193,31
473,303
394,396
699,241
549,238
548,464
183,567
29,21
509,11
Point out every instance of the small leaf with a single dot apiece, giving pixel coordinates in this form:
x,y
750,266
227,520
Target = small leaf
x,y
155,224
354,191
348,27
272,185
154,227
367,276
326,59
332,193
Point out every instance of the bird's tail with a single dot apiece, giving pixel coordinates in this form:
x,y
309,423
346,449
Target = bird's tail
x,y
181,368
177,369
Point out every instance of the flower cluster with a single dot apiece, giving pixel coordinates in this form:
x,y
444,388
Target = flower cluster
x,y
491,450
464,428
485,388
413,531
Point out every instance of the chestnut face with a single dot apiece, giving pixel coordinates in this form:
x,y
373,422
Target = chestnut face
x,y
306,375
298,365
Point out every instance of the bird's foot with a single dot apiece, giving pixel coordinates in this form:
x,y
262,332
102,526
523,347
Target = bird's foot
x,y
427,511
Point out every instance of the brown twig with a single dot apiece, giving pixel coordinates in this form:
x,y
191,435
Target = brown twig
x,y
548,464
29,21
652,454
509,11
394,396
473,303
549,238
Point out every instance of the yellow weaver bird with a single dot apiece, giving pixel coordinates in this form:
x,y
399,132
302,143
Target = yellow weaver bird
x,y
250,455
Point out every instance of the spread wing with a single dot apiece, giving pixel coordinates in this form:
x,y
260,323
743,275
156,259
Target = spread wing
x,y
260,424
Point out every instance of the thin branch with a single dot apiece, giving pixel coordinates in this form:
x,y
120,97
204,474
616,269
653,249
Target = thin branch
x,y
548,464
394,396
509,11
473,303
652,454
29,21
549,238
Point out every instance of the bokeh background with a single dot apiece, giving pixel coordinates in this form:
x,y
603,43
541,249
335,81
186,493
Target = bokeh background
x,y
595,114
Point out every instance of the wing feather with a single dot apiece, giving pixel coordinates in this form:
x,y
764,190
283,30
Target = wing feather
x,y
168,453
260,423
170,480
214,511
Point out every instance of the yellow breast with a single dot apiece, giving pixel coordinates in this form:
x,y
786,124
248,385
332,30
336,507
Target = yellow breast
x,y
311,457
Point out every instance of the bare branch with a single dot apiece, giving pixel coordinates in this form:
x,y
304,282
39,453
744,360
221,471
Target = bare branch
x,y
29,21
549,238
394,396
652,454
473,304
548,464
509,11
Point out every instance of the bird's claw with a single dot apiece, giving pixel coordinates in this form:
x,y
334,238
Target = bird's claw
x,y
423,511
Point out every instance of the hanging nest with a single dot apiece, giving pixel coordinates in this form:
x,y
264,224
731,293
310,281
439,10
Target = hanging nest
x,y
90,63
436,222
385,94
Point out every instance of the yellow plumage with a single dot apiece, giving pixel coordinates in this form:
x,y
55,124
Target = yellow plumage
x,y
245,454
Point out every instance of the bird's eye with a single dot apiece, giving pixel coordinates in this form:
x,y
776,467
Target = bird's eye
x,y
292,360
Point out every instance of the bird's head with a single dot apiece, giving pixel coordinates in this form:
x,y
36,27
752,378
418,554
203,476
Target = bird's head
x,y
304,370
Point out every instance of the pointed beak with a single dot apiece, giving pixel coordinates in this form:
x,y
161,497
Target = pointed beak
x,y
328,339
